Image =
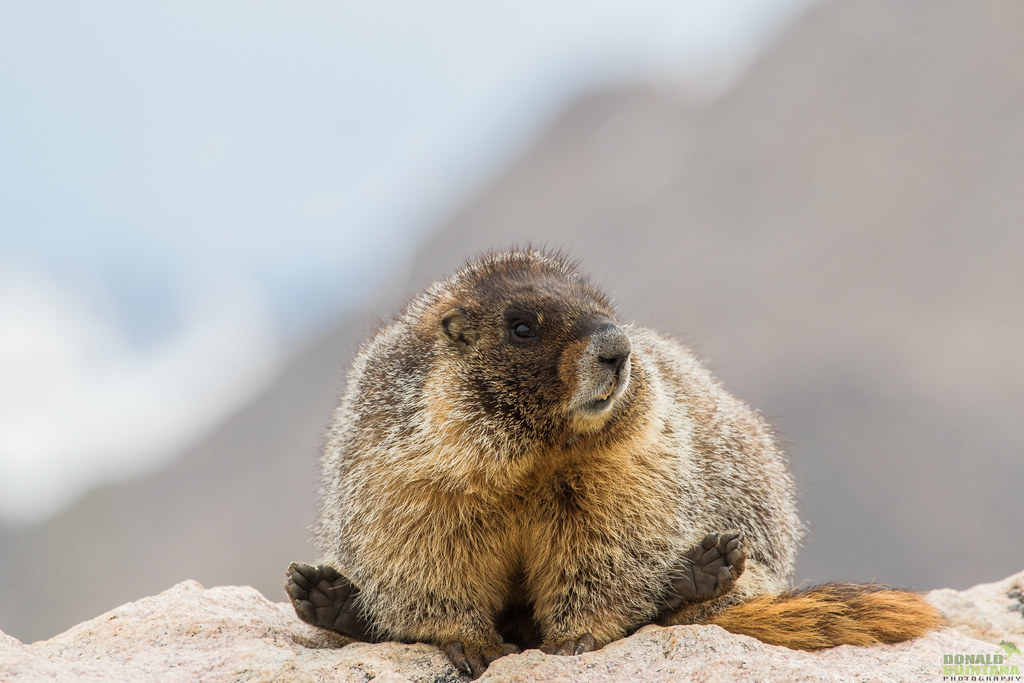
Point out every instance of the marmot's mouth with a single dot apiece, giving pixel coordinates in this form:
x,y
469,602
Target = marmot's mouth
x,y
601,401
594,404
608,394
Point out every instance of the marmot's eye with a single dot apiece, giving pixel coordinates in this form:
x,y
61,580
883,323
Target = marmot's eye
x,y
522,330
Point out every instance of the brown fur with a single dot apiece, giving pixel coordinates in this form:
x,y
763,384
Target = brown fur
x,y
832,614
469,480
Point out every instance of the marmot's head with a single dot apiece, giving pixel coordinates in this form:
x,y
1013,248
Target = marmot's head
x,y
532,350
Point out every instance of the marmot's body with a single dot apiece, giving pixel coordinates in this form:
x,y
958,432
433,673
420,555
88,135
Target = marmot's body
x,y
507,448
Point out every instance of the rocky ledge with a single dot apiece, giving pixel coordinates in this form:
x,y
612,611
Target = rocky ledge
x,y
231,633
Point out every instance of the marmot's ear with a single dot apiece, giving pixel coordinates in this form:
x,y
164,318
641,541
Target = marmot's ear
x,y
457,327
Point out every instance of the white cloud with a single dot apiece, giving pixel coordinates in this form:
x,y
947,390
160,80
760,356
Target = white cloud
x,y
79,405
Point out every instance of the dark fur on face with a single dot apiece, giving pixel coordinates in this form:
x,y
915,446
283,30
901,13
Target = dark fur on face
x,y
567,371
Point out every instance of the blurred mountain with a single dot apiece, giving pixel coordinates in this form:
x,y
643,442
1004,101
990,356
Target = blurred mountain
x,y
841,236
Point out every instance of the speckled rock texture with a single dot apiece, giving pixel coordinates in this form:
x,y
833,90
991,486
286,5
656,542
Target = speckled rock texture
x,y
991,612
230,633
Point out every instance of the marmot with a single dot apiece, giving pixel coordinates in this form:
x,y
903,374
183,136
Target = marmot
x,y
512,467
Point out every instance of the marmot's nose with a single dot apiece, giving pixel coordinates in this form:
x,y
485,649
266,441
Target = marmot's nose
x,y
611,346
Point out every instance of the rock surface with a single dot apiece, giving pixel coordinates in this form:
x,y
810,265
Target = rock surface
x,y
989,611
233,633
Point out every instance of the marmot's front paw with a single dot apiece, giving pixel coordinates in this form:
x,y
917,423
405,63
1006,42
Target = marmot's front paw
x,y
708,570
572,646
323,597
473,659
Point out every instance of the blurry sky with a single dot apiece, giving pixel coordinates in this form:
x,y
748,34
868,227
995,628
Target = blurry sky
x,y
189,190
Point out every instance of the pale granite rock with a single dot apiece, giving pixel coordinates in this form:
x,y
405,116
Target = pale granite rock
x,y
231,633
988,611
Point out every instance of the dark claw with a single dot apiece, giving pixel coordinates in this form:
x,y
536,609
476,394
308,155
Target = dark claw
x,y
457,655
305,572
575,646
587,644
474,660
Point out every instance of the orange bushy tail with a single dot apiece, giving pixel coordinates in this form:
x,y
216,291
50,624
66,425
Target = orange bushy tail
x,y
832,614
